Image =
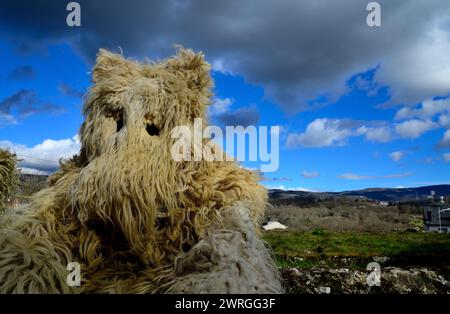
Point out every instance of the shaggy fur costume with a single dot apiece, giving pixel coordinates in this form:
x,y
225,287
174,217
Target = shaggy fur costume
x,y
136,220
9,178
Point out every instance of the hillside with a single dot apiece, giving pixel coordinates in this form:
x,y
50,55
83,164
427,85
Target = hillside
x,y
32,183
403,194
378,194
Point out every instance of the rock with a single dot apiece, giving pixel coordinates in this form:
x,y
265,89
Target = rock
x,y
325,290
344,281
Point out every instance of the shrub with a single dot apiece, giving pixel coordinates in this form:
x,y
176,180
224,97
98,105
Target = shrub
x,y
8,176
318,232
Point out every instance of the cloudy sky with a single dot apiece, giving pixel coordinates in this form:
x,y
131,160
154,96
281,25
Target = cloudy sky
x,y
358,106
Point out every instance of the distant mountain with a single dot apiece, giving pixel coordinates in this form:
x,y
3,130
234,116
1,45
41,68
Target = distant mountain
x,y
402,194
378,194
33,183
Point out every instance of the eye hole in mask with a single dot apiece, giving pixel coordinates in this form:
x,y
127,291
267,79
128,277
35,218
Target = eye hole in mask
x,y
117,115
119,122
152,129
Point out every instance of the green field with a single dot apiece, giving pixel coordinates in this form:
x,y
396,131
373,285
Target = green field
x,y
355,250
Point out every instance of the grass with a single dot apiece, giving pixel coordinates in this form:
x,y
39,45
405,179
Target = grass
x,y
354,250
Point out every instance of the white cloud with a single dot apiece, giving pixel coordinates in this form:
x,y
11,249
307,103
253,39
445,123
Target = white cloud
x,y
6,119
447,157
44,157
428,109
310,174
405,113
396,175
219,65
325,132
419,70
354,176
320,133
378,134
396,156
26,170
285,188
414,128
445,141
444,121
220,106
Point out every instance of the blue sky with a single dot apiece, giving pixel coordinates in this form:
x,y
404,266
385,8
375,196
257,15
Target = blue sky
x,y
371,110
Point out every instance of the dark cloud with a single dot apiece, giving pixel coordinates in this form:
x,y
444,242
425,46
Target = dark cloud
x,y
22,99
24,103
240,117
298,50
24,72
69,90
39,108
